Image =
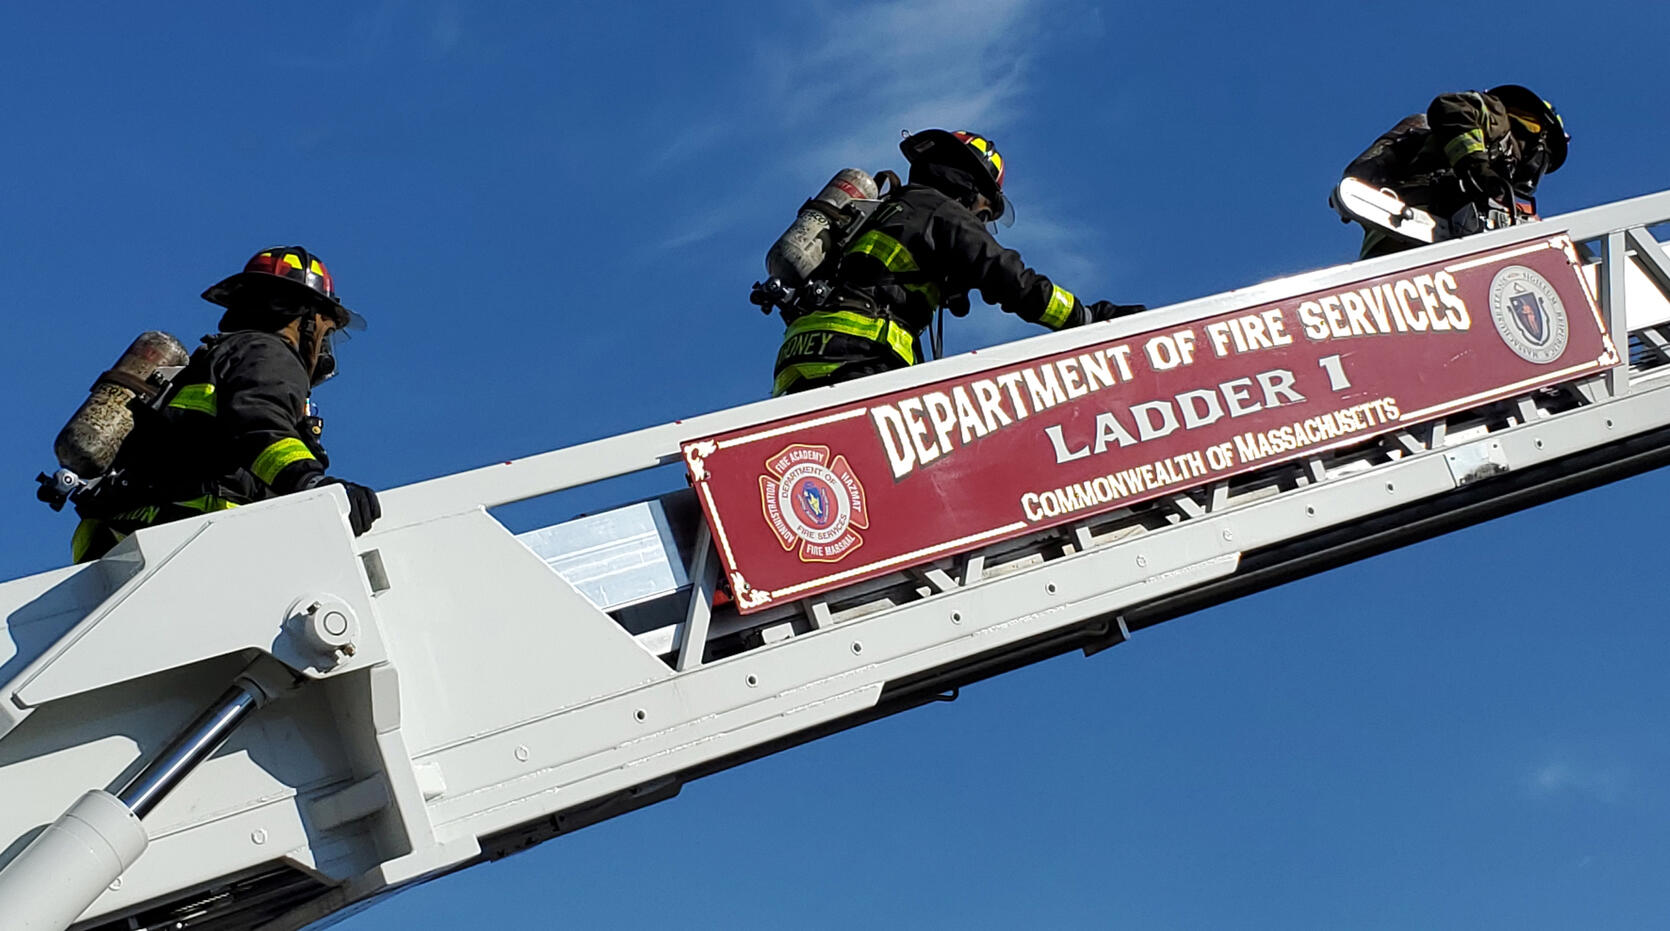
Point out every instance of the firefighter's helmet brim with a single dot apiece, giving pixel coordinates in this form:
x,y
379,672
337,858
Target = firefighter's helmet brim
x,y
260,286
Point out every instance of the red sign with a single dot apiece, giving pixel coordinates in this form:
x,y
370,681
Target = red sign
x,y
812,503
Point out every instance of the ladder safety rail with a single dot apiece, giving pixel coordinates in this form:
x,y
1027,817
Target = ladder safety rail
x,y
465,692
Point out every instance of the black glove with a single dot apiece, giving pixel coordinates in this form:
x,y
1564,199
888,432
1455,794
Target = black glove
x,y
363,508
1479,178
1103,310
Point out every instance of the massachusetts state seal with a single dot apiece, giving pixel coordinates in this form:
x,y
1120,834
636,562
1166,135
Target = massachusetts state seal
x,y
1529,314
814,503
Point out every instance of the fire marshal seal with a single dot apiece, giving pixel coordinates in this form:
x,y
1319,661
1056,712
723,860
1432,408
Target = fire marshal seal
x,y
813,502
1529,314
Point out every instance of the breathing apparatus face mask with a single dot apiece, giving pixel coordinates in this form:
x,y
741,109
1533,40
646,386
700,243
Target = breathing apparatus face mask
x,y
324,359
1007,218
324,365
1534,155
1533,163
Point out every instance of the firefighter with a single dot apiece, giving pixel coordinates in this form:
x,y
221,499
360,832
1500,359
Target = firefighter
x,y
925,247
1467,148
237,426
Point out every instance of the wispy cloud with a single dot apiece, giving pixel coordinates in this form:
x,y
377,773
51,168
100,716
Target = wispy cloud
x,y
876,69
1566,777
907,64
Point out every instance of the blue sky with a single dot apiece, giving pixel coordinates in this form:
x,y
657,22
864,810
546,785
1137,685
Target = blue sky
x,y
550,215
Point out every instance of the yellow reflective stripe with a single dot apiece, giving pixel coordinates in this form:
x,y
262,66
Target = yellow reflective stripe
x,y
1060,309
280,454
1464,145
891,252
897,258
799,370
855,324
140,515
196,398
87,532
928,290
82,541
902,341
207,503
838,321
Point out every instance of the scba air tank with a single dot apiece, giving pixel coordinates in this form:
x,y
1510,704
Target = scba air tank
x,y
87,445
802,248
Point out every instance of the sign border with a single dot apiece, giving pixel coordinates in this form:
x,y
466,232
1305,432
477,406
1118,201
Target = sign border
x,y
750,599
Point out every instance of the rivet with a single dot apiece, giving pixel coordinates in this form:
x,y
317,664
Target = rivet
x,y
521,753
258,836
1311,512
753,681
1229,534
956,617
1050,588
116,884
857,648
1142,561
1390,489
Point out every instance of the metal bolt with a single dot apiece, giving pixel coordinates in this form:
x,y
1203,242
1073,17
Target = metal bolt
x,y
335,623
313,608
348,649
521,753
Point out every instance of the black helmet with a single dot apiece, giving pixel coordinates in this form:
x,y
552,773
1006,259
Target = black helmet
x,y
289,272
970,152
1538,116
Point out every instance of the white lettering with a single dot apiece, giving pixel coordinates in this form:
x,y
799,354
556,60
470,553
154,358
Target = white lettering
x,y
901,457
911,408
1193,416
1062,453
967,417
1144,414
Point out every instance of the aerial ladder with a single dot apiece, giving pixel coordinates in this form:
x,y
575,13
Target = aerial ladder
x,y
254,719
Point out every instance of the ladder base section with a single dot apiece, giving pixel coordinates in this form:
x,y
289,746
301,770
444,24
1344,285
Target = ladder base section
x,y
64,869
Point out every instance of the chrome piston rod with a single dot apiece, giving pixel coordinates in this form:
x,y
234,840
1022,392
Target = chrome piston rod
x,y
72,861
191,747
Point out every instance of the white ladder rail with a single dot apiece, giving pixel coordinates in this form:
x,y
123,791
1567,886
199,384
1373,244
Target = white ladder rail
x,y
508,710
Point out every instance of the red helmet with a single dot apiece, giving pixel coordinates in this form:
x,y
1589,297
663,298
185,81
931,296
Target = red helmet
x,y
969,151
286,272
